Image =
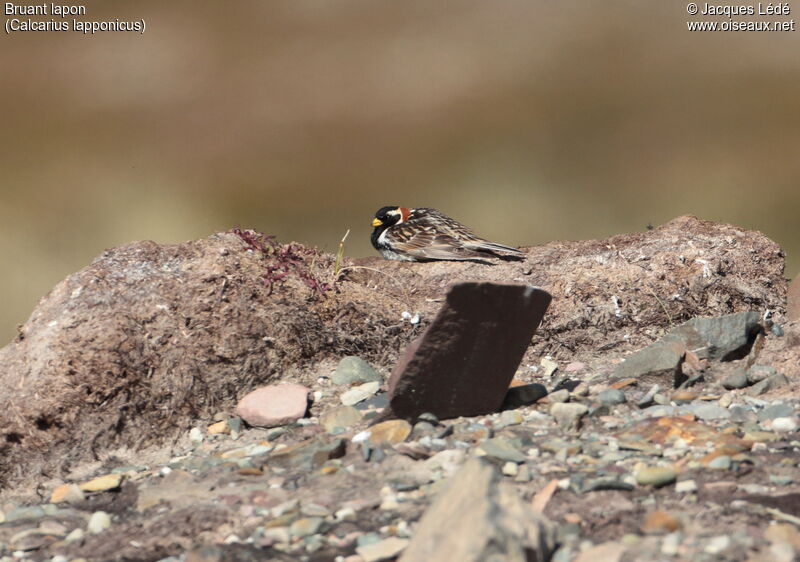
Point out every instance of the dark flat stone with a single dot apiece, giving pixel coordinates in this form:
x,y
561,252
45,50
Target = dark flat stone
x,y
724,338
463,363
518,396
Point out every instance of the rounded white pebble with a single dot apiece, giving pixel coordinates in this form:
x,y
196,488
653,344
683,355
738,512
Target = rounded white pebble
x,y
784,425
98,522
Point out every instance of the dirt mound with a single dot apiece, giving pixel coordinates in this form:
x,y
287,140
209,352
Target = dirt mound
x,y
131,349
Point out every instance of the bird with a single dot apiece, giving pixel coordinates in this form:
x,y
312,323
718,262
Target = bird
x,y
423,234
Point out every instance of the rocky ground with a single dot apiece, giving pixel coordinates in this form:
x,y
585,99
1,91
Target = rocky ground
x,y
654,416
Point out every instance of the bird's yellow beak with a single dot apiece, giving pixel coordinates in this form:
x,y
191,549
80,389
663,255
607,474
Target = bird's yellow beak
x,y
376,222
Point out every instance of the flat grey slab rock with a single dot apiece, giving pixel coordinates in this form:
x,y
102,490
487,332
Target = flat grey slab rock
x,y
724,337
464,362
476,518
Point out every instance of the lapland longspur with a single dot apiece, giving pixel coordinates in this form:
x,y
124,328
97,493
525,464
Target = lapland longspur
x,y
426,234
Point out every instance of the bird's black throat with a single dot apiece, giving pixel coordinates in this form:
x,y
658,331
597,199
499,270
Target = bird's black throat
x,y
376,232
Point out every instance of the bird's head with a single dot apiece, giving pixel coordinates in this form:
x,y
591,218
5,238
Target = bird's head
x,y
390,216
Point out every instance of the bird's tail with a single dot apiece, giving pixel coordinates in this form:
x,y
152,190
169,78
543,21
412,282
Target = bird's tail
x,y
486,246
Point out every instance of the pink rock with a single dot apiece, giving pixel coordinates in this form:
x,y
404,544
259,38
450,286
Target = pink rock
x,y
274,405
575,367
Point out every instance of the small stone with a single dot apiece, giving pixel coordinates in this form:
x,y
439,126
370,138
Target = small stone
x,y
758,373
649,398
52,527
718,544
575,367
511,417
384,550
29,540
69,493
558,396
501,450
306,526
568,415
345,514
519,396
772,383
98,522
549,367
709,411
76,534
736,379
784,425
274,405
683,396
377,402
280,534
389,503
196,435
779,410
510,468
352,369
236,424
611,397
308,454
219,428
389,432
622,383
423,428
671,544
341,417
659,521
102,483
428,417
359,393
314,510
447,461
685,486
523,474
656,476
722,462
368,538
257,449
780,479
661,399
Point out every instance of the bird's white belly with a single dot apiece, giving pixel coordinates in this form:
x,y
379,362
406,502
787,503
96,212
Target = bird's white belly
x,y
390,255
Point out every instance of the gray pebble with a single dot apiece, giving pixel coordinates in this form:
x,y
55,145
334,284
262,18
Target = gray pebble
x,y
611,397
707,411
779,410
352,369
737,379
656,476
722,462
771,383
568,415
758,373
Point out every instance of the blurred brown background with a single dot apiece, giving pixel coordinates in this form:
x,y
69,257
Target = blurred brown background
x,y
528,120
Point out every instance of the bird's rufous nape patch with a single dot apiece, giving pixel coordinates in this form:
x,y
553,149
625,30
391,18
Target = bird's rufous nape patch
x,y
405,212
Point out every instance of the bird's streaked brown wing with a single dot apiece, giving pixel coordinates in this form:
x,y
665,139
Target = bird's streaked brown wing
x,y
463,235
428,244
